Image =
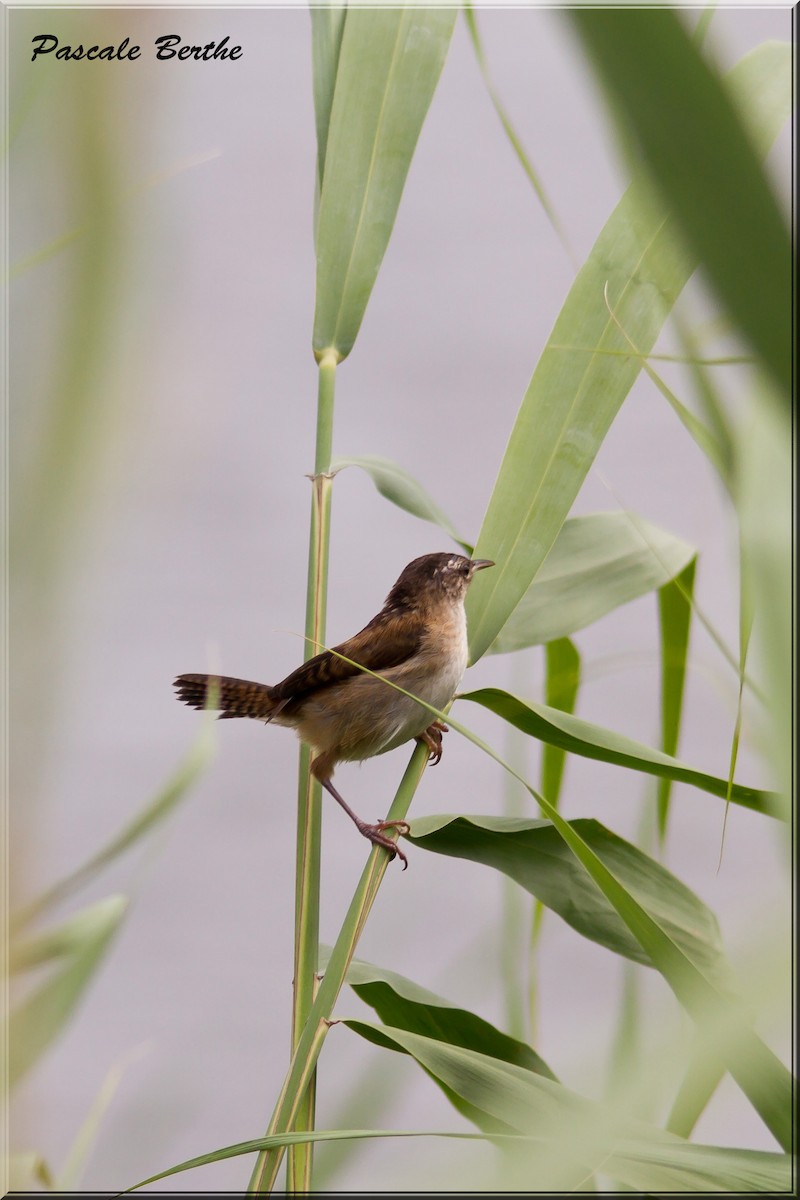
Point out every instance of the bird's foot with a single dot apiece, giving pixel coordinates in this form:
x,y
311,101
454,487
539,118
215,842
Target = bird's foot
x,y
377,837
432,738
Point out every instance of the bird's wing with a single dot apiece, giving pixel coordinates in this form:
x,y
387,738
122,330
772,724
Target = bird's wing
x,y
389,640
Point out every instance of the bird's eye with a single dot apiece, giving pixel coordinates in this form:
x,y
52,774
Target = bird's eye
x,y
465,569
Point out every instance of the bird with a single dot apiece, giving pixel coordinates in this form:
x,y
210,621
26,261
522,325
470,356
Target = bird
x,y
418,641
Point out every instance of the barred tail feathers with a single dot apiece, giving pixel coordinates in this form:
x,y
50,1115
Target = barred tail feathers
x,y
232,697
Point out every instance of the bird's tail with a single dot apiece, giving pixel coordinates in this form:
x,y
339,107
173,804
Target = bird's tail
x,y
233,697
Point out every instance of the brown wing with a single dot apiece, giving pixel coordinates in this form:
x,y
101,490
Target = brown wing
x,y
387,641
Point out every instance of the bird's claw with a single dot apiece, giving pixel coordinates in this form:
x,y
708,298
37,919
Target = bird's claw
x,y
432,738
376,836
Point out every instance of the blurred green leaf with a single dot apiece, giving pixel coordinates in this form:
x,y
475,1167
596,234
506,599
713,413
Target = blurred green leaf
x,y
703,1076
701,155
596,563
679,1165
153,813
575,1137
708,441
510,132
764,487
39,1019
675,615
691,1168
80,1150
402,489
533,853
716,440
562,680
64,941
389,63
401,1003
594,741
27,1172
574,395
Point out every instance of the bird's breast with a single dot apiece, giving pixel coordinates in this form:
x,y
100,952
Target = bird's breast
x,y
434,674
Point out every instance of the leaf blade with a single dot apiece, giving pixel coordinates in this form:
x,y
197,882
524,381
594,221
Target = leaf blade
x,y
401,488
388,66
594,741
534,854
698,147
596,564
573,397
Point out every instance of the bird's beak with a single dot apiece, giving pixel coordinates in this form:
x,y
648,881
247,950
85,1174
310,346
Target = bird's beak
x,y
478,564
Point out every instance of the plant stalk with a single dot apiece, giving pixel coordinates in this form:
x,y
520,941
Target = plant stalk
x,y
309,804
291,1102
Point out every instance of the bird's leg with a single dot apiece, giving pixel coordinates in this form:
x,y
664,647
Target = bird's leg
x,y
432,738
373,832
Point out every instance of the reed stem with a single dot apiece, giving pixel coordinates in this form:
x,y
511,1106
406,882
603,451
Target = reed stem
x,y
309,806
291,1102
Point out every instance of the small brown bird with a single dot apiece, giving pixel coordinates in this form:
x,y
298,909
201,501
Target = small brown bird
x,y
418,640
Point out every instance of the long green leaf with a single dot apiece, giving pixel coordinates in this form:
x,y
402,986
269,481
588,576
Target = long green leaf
x,y
712,1168
534,854
401,1003
764,447
701,155
510,132
594,741
327,27
596,564
573,397
675,616
575,1136
562,680
39,1019
389,63
402,489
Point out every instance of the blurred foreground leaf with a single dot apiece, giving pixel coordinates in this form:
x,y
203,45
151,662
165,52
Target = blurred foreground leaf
x,y
39,1019
681,1167
701,154
570,1137
153,813
638,263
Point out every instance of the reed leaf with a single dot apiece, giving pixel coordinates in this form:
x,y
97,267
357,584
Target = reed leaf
x,y
699,149
596,564
533,854
40,1018
401,488
389,62
594,741
675,615
639,262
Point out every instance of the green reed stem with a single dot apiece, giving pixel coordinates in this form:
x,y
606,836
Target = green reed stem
x,y
309,802
291,1102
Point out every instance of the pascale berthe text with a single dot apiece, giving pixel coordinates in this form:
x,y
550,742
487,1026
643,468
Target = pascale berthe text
x,y
170,45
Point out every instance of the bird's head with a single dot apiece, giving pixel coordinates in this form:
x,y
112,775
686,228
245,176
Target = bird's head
x,y
435,577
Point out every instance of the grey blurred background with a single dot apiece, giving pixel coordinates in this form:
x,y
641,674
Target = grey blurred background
x,y
176,539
